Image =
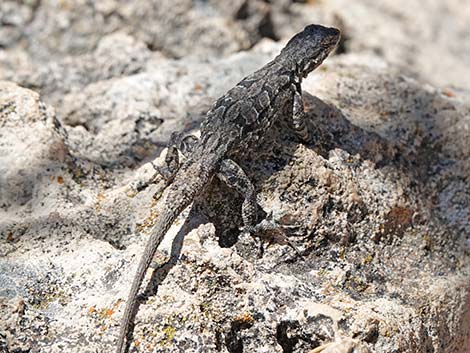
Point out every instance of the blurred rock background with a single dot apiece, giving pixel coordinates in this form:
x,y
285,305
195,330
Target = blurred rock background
x,y
429,39
91,92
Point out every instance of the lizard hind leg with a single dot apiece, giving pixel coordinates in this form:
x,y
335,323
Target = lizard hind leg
x,y
234,176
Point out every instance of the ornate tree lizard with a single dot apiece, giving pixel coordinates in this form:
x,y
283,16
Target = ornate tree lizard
x,y
236,121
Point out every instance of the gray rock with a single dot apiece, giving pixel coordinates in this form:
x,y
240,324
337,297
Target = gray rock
x,y
51,28
32,150
431,42
380,199
116,55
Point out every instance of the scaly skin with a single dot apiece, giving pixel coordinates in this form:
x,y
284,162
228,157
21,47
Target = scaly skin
x,y
236,122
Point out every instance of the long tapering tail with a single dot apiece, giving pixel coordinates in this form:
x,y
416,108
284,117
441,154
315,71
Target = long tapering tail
x,y
190,180
162,226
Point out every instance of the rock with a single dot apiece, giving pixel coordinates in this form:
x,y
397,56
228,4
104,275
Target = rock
x,y
404,33
50,28
115,55
33,152
379,202
377,198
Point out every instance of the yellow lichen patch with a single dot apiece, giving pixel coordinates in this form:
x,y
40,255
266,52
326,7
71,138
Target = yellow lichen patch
x,y
328,289
342,253
150,220
427,241
356,284
99,198
323,272
49,295
386,331
108,313
101,316
77,175
117,303
130,192
367,259
169,332
103,313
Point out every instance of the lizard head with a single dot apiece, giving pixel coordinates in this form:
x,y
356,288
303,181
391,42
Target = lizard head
x,y
307,49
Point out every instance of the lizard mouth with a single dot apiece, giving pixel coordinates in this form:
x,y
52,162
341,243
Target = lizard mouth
x,y
318,59
313,64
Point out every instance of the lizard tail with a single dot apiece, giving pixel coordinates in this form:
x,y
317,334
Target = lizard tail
x,y
163,224
180,196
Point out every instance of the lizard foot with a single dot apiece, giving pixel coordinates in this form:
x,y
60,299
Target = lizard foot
x,y
167,172
272,231
171,165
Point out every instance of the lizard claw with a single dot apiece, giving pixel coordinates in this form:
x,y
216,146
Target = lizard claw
x,y
272,231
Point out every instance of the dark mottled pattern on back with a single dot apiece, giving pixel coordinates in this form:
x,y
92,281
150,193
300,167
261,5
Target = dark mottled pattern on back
x,y
250,106
242,115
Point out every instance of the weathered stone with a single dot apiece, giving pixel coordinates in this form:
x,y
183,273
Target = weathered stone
x,y
381,198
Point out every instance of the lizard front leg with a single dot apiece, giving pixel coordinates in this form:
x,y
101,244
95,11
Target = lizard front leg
x,y
299,116
172,163
167,171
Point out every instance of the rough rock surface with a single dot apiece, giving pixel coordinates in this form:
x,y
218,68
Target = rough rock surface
x,y
381,199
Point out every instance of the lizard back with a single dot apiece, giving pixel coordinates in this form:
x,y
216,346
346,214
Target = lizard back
x,y
242,115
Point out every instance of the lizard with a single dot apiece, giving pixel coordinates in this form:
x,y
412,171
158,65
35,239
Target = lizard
x,y
237,120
